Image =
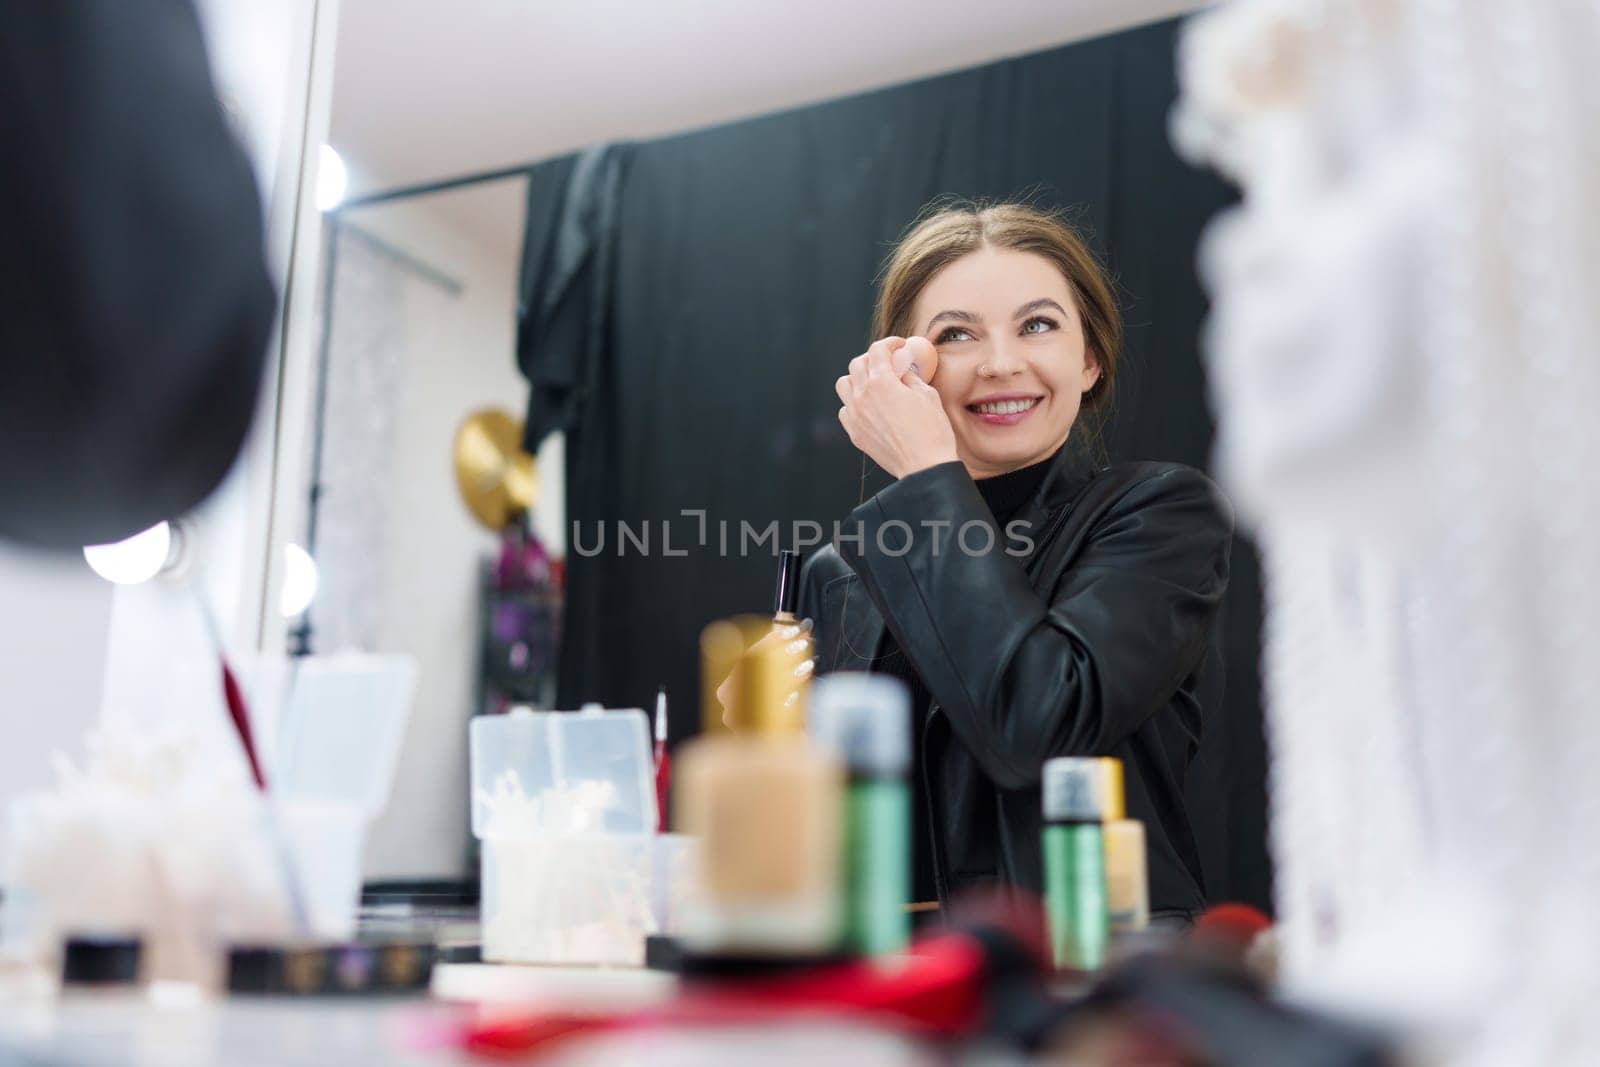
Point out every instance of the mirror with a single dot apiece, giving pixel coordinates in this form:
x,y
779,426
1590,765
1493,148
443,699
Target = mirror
x,y
662,261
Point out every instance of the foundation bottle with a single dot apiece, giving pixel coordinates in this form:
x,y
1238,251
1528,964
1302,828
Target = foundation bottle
x,y
766,805
1127,877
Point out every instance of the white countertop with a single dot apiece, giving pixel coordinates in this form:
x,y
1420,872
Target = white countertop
x,y
142,1030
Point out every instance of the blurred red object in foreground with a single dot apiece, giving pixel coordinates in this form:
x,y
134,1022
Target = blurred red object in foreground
x,y
1239,936
936,989
1235,925
948,985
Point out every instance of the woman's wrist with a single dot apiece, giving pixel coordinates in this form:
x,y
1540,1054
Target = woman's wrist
x,y
932,459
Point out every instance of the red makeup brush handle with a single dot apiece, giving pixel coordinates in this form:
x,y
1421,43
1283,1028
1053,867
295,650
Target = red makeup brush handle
x,y
240,718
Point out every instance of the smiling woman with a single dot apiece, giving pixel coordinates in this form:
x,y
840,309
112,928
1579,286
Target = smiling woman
x,y
957,271
1012,381
1082,628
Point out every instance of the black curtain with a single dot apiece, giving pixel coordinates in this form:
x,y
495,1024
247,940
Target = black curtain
x,y
687,303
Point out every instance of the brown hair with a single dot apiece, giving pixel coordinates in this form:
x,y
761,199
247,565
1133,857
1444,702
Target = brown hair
x,y
946,231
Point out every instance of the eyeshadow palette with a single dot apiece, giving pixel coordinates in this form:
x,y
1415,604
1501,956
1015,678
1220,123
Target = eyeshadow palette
x,y
354,969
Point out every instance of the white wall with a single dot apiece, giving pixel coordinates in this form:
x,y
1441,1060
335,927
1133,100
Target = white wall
x,y
457,358
54,613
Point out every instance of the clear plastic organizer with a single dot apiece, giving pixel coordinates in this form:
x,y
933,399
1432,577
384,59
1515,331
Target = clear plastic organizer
x,y
564,804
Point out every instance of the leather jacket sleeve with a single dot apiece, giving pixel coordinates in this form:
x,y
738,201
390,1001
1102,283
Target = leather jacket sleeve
x,y
1023,677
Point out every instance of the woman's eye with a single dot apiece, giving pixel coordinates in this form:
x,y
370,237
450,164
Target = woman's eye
x,y
952,333
1038,324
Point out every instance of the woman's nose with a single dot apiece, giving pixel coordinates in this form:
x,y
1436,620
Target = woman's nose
x,y
1004,359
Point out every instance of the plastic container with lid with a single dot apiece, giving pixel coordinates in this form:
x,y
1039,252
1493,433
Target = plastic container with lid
x,y
587,770
334,758
565,805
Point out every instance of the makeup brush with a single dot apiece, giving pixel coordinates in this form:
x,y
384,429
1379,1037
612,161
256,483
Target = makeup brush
x,y
239,717
663,760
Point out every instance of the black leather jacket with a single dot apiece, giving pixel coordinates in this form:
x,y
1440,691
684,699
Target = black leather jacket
x,y
1091,640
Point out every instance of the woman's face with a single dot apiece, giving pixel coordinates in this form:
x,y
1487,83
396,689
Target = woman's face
x,y
1012,364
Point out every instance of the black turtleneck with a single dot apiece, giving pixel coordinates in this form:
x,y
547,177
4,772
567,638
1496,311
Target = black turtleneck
x,y
1006,495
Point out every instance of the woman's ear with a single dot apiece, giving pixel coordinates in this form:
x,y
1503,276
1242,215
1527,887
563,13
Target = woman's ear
x,y
1091,370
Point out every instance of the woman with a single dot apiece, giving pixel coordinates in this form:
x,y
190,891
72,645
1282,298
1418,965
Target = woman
x,y
1035,605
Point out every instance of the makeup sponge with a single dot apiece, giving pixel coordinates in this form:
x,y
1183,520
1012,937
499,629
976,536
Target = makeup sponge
x,y
921,352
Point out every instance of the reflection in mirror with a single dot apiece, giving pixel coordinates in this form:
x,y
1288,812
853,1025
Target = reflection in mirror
x,y
663,298
433,535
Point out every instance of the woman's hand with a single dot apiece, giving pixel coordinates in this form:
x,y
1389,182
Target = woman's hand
x,y
890,413
793,637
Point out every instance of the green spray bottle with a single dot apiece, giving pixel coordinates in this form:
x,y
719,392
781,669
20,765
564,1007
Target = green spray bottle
x,y
866,719
1075,803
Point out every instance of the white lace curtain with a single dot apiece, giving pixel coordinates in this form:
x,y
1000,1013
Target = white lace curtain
x,y
365,364
1405,357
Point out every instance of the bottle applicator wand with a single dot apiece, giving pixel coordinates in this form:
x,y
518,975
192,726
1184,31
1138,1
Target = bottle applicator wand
x,y
787,594
794,635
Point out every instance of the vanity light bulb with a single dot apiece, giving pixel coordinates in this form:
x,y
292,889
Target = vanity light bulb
x,y
332,178
134,560
299,581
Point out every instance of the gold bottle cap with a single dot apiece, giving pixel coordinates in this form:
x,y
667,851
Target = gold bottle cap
x,y
1116,798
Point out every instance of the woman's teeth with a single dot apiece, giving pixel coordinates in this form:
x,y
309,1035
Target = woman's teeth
x,y
1004,407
